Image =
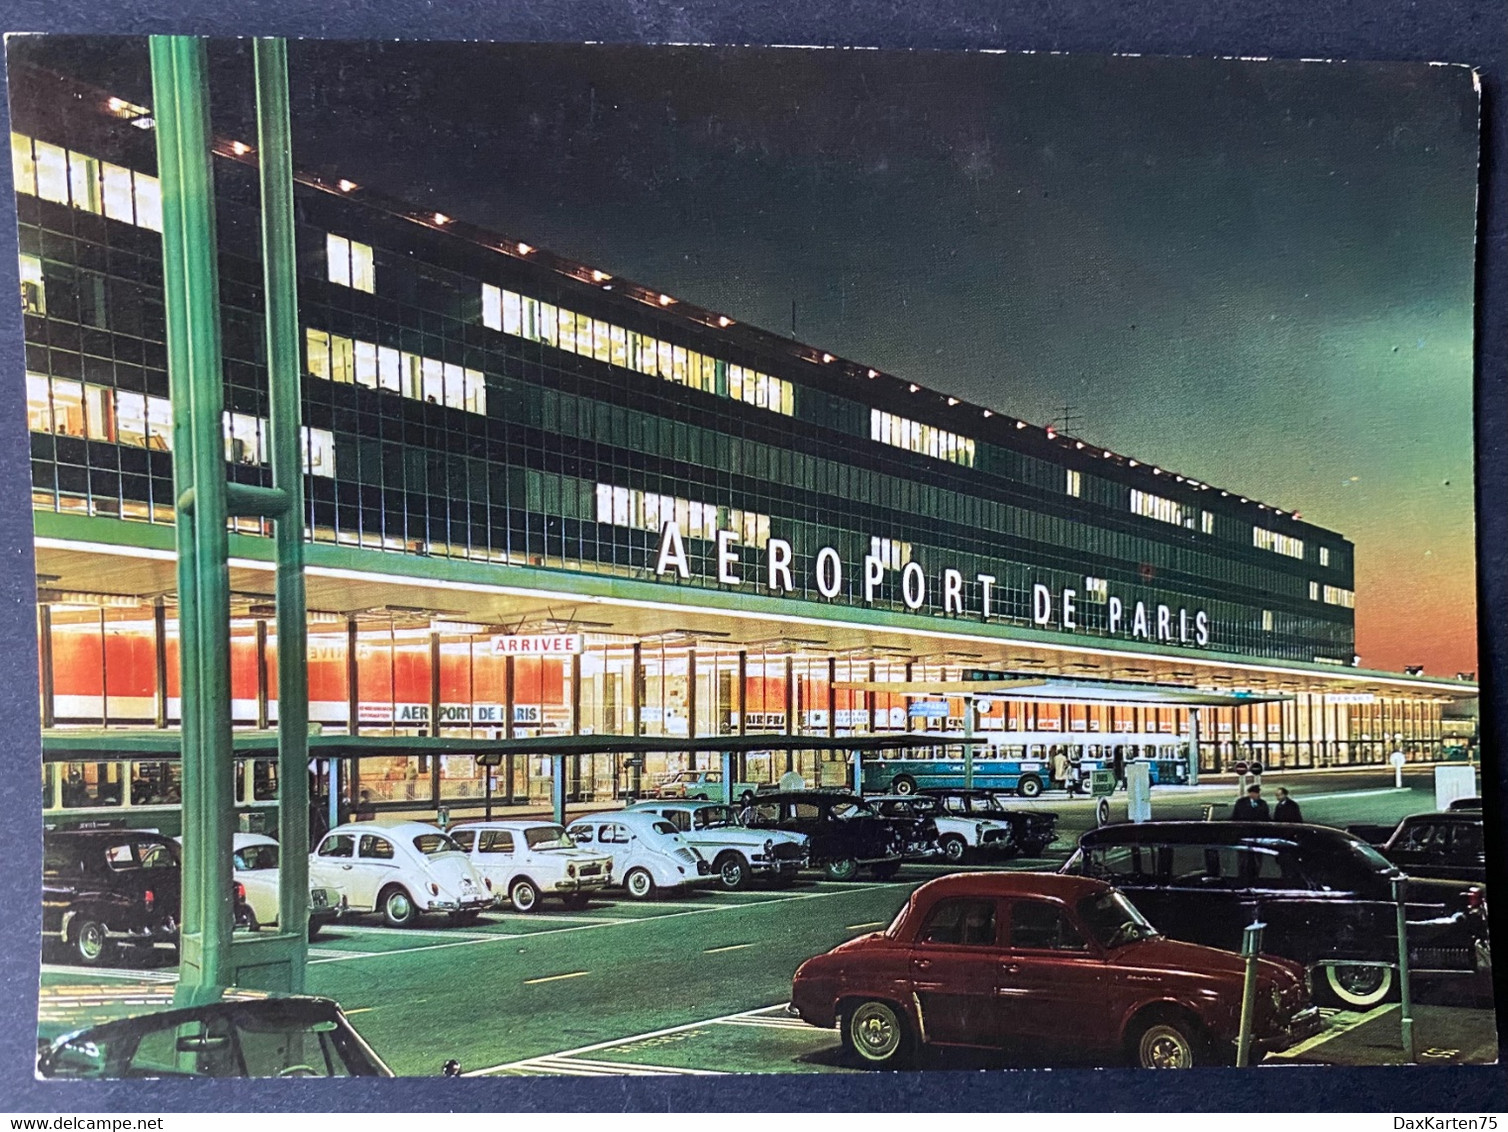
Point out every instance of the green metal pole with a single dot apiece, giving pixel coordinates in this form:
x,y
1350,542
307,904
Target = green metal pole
x,y
280,277
1405,997
968,750
1251,951
191,289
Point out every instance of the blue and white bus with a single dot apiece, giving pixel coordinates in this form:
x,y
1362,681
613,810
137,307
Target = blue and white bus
x,y
1021,762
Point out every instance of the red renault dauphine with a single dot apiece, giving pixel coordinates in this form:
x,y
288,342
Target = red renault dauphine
x,y
1044,964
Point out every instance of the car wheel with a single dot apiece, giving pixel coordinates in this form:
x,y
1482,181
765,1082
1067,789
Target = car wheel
x,y
523,895
876,1034
640,885
1357,985
954,848
398,908
903,784
734,871
1029,787
844,868
91,942
1167,1044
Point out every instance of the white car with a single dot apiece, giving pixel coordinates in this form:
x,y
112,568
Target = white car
x,y
256,868
401,870
529,860
737,853
957,835
648,853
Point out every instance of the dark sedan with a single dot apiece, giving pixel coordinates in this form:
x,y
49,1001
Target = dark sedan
x,y
844,831
1447,845
1032,830
102,889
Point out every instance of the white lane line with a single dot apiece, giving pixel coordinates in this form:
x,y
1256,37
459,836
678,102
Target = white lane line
x,y
573,1068
555,978
594,1047
518,919
872,924
730,947
1333,1032
1351,794
372,929
144,976
500,937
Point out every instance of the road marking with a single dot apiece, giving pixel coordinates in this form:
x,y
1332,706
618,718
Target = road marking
x,y
1334,1032
359,1010
146,975
580,1068
372,929
1351,794
555,978
874,924
527,1062
730,947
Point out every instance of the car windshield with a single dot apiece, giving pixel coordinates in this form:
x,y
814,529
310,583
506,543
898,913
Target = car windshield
x,y
715,817
853,809
1113,920
432,843
547,837
253,857
1368,857
664,827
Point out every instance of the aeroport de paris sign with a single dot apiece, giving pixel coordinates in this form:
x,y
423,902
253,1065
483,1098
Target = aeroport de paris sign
x,y
1138,620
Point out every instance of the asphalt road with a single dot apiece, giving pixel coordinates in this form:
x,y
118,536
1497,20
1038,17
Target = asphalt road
x,y
693,983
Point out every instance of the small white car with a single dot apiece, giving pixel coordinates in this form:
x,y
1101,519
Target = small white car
x,y
738,854
529,860
957,835
698,785
400,870
256,868
648,854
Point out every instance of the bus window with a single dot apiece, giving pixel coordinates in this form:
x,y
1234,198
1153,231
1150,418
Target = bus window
x,y
91,784
264,780
49,798
156,784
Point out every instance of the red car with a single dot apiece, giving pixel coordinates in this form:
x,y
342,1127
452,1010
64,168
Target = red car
x,y
1043,963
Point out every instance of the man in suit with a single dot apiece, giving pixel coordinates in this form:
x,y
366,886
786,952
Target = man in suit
x,y
1251,807
1286,809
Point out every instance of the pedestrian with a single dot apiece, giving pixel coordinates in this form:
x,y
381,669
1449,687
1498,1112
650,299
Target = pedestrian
x,y
1118,765
1251,807
364,808
1059,768
1286,809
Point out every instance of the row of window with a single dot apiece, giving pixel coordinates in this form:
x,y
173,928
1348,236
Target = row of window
x,y
892,552
61,175
1335,595
649,511
537,321
1263,539
928,440
351,361
1165,510
117,416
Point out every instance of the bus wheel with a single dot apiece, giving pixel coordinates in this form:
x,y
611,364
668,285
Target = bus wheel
x,y
1029,787
904,784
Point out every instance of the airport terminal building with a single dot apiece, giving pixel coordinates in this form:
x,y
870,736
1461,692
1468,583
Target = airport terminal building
x,y
544,500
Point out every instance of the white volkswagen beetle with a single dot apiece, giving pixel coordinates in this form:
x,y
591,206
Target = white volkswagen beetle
x,y
256,868
737,853
400,870
648,853
529,860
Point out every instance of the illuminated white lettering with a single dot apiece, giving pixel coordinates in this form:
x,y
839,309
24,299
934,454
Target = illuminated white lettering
x,y
1069,609
780,566
1041,604
1139,622
874,574
672,552
1164,623
1201,629
1117,611
727,558
986,581
952,591
829,572
1183,626
913,585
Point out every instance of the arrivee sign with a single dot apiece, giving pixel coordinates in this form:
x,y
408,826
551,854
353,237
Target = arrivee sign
x,y
537,644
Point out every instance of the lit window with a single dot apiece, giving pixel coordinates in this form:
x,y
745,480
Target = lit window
x,y
1075,484
38,403
389,369
317,346
925,439
1164,510
319,451
363,270
1264,539
648,511
342,360
243,439
1314,591
366,364
1335,595
83,182
1266,620
148,202
1207,522
117,189
1096,590
55,174
476,392
131,418
23,165
160,424
455,386
68,408
1324,555
99,412
492,307
892,552
350,263
52,172
33,289
513,313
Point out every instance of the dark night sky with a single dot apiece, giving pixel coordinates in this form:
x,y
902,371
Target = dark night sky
x,y
1257,274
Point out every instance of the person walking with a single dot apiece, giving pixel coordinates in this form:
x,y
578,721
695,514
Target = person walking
x,y
1060,768
1118,767
1286,809
1251,807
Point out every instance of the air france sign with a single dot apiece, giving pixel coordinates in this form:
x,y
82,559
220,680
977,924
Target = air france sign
x,y
1139,620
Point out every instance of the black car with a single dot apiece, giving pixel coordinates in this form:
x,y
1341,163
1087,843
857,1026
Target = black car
x,y
107,888
294,1036
1033,830
1325,896
1472,803
1448,845
844,831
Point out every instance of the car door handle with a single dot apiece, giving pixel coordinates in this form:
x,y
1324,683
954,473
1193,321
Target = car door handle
x,y
922,964
346,867
1010,968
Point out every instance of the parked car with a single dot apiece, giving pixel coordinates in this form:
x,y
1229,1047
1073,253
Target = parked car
x,y
245,1035
957,835
529,860
1033,831
648,853
844,832
1448,845
400,870
1472,803
1325,896
256,871
698,785
1046,964
738,854
107,888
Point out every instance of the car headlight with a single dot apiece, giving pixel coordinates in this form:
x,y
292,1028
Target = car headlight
x,y
434,889
769,846
571,869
